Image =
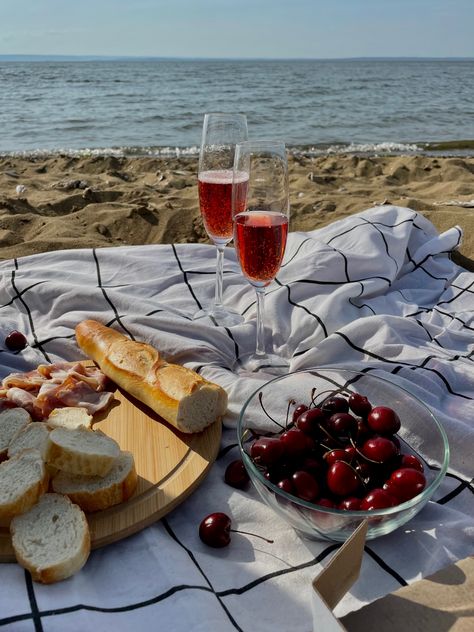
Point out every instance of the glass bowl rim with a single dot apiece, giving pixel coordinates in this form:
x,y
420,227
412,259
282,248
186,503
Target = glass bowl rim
x,y
419,498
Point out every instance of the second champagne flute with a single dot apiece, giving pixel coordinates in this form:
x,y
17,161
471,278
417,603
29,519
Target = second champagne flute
x,y
260,231
221,132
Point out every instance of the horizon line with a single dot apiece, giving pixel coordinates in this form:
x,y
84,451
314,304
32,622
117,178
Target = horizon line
x,y
63,57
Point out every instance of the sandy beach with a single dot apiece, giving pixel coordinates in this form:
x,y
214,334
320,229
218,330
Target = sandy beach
x,y
62,202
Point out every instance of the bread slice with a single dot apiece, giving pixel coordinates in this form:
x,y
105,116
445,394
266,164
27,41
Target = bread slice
x,y
23,479
12,421
95,493
52,539
69,417
182,397
34,435
81,451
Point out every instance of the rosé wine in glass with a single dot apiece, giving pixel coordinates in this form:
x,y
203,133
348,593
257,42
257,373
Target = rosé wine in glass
x,y
260,233
215,200
260,241
220,134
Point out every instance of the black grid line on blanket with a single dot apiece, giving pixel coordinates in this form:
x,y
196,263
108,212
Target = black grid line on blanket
x,y
106,296
36,615
22,300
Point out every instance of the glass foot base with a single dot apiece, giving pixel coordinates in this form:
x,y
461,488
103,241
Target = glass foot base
x,y
219,315
268,363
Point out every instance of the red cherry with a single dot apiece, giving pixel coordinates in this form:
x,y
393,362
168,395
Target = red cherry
x,y
406,483
267,450
309,421
326,502
379,449
287,486
341,479
351,453
299,410
342,424
305,485
336,455
335,404
311,465
214,530
383,420
410,460
296,443
377,499
359,404
351,503
362,431
15,341
236,475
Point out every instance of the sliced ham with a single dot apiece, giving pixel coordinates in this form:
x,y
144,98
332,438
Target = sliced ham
x,y
24,399
29,381
78,393
54,386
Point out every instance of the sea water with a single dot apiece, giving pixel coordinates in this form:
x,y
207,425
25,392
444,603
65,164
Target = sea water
x,y
156,107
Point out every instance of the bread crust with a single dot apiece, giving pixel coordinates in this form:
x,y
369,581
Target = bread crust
x,y
90,500
179,395
65,451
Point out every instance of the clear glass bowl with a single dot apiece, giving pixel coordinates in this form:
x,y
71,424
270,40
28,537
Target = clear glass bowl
x,y
420,434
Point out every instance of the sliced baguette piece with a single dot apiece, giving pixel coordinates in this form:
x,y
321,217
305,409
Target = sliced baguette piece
x,y
12,421
23,479
81,451
34,435
180,396
69,417
95,493
52,539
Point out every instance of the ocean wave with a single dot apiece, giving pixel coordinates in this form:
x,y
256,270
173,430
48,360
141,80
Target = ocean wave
x,y
452,148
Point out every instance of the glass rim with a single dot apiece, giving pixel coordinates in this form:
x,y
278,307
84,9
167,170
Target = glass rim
x,y
423,496
225,115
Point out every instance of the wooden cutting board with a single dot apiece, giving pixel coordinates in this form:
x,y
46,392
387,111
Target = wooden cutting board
x,y
170,465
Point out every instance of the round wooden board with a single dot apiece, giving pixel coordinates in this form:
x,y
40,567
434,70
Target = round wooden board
x,y
170,465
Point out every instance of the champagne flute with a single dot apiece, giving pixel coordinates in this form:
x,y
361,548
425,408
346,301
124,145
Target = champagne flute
x,y
220,134
260,231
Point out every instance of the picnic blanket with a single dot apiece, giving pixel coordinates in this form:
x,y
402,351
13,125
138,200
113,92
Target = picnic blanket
x,y
377,291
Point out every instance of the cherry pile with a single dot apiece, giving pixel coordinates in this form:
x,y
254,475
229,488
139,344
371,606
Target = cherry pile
x,y
342,453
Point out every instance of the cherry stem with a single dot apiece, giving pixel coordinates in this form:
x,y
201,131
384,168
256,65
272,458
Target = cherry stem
x,y
253,535
290,403
260,398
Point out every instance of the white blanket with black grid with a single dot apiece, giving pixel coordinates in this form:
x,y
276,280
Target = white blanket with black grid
x,y
377,290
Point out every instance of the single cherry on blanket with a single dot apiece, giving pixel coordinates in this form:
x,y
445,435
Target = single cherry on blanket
x,y
16,341
215,530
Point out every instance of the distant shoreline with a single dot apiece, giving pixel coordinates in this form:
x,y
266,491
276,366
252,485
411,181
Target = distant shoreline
x,y
109,58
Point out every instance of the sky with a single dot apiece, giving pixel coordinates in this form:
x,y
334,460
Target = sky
x,y
238,28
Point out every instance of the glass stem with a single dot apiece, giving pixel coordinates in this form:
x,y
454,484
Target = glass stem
x,y
260,346
219,274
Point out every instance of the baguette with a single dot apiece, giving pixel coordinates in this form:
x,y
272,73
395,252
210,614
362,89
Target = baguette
x,y
35,435
23,480
52,539
96,493
69,417
81,451
180,396
12,421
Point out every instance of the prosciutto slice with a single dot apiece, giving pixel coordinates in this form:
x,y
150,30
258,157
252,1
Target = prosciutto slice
x,y
57,385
